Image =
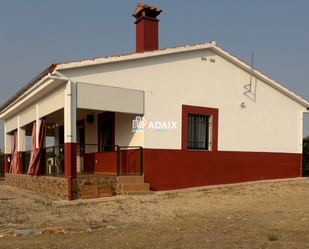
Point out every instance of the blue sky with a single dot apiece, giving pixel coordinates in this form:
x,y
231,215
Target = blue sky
x,y
36,33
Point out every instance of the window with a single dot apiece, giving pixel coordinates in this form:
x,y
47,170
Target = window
x,y
199,132
199,128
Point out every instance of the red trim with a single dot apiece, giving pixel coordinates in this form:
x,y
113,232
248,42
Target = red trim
x,y
176,169
70,171
107,115
6,164
301,165
186,109
70,160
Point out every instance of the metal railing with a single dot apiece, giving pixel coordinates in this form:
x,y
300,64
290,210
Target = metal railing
x,y
129,159
54,158
25,158
119,148
126,156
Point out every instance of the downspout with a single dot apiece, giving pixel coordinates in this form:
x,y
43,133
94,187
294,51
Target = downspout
x,y
69,96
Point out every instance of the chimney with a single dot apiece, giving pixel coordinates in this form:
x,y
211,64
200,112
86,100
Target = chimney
x,y
147,37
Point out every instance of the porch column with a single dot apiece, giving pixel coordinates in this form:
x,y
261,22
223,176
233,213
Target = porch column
x,y
70,132
37,127
21,145
7,149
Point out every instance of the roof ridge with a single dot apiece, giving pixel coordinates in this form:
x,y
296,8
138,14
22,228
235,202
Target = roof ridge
x,y
53,65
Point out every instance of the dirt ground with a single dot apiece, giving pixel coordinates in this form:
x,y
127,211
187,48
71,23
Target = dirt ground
x,y
255,215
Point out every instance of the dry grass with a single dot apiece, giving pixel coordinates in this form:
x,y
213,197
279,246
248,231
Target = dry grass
x,y
232,217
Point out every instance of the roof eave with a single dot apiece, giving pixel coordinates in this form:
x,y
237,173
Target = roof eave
x,y
134,56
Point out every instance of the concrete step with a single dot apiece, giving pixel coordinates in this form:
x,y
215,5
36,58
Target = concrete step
x,y
130,179
135,187
139,193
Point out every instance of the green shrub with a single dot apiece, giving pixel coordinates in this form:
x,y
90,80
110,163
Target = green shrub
x,y
1,164
306,156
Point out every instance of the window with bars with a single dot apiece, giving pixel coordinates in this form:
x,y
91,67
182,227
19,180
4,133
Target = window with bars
x,y
199,132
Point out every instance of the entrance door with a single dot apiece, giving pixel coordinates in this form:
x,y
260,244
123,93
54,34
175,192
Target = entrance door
x,y
80,148
106,135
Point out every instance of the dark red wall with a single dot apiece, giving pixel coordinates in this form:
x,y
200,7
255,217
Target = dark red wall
x,y
176,169
89,161
129,161
106,162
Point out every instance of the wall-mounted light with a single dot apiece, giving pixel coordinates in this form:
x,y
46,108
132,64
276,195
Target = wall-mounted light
x,y
243,105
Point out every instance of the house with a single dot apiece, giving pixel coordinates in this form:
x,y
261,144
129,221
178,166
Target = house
x,y
182,117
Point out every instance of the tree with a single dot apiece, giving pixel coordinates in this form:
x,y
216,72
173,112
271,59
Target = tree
x,y
306,156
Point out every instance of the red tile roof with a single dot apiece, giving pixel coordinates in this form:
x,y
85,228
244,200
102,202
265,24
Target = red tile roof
x,y
140,7
145,6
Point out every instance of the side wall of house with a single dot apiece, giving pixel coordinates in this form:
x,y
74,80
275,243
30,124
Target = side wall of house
x,y
259,134
270,122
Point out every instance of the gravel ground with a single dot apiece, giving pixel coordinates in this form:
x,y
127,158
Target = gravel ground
x,y
273,214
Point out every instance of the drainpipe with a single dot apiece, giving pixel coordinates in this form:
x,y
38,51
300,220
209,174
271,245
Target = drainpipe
x,y
69,107
69,96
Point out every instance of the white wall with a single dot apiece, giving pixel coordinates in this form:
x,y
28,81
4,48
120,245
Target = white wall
x,y
271,122
123,131
91,131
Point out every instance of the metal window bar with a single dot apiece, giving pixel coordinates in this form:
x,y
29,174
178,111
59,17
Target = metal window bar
x,y
198,132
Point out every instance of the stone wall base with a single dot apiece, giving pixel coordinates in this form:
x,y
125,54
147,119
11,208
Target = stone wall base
x,y
57,187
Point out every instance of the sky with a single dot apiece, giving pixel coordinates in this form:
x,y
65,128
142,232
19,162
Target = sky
x,y
37,33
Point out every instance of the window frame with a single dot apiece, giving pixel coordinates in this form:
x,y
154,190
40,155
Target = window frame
x,y
213,130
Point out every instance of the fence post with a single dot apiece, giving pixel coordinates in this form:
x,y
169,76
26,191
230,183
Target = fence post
x,y
141,160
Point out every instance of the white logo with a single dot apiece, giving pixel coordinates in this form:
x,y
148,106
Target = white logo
x,y
138,124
